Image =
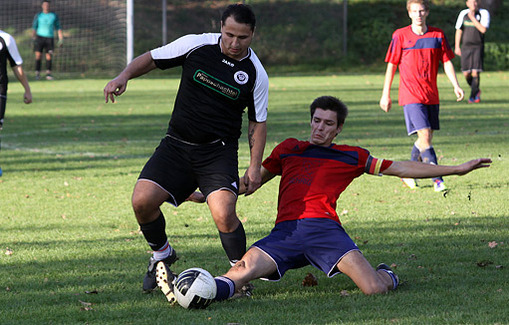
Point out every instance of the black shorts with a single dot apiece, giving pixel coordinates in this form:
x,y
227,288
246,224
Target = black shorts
x,y
179,168
42,43
472,58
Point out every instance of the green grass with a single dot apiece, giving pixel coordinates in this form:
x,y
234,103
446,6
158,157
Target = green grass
x,y
75,256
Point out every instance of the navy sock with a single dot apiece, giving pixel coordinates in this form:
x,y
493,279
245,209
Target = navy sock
x,y
225,288
429,157
416,154
234,243
155,233
395,281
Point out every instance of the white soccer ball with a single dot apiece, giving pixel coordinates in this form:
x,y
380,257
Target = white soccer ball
x,y
195,288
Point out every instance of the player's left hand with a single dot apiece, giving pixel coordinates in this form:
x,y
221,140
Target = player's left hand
x,y
196,197
27,98
460,94
252,180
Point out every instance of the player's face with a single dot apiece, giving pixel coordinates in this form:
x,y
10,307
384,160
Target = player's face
x,y
418,13
235,38
45,7
472,5
324,127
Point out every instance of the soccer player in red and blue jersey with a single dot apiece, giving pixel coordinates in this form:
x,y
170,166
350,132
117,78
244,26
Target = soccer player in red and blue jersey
x,y
308,231
418,50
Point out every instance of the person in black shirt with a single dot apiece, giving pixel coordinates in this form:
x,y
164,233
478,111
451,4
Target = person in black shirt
x,y
471,25
221,76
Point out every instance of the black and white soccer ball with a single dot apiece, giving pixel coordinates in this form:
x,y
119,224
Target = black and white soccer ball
x,y
195,288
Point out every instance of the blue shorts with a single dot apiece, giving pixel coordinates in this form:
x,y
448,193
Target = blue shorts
x,y
420,116
293,244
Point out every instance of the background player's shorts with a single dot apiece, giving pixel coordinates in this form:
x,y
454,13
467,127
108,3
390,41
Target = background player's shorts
x,y
42,43
472,58
179,168
420,116
293,244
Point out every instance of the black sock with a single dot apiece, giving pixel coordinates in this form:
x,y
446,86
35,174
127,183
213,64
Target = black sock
x,y
37,65
469,80
475,86
48,65
234,243
155,233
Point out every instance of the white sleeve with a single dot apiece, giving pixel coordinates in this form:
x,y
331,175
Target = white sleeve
x,y
261,90
485,17
183,45
13,49
461,16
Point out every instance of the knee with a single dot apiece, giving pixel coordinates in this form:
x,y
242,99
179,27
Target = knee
x,y
142,205
377,287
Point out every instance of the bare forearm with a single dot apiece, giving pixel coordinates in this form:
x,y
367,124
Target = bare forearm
x,y
21,76
257,138
413,169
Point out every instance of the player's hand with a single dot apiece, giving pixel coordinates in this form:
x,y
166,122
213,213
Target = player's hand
x,y
27,98
459,93
60,42
385,103
474,164
196,197
115,87
252,180
457,51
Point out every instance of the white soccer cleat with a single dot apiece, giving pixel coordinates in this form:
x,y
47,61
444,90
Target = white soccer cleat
x,y
410,183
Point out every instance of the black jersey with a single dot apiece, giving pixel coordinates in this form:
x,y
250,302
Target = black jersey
x,y
8,52
471,36
214,88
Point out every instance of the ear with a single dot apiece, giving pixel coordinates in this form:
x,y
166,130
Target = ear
x,y
339,129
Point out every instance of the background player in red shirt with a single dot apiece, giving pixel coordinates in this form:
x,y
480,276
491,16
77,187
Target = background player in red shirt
x,y
418,50
308,231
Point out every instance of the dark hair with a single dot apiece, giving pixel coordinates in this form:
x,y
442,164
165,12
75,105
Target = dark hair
x,y
241,13
330,103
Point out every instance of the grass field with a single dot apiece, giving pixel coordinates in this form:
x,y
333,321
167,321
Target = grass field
x,y
72,252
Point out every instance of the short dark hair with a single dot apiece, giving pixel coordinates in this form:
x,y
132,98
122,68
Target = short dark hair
x,y
330,103
241,13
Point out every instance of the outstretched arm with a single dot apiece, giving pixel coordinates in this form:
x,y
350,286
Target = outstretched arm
x,y
21,76
385,101
136,68
413,169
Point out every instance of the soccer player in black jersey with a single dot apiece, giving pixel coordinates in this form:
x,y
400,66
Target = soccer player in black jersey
x,y
221,76
471,25
9,54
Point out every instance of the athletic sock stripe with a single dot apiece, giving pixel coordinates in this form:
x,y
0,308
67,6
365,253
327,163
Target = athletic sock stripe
x,y
230,283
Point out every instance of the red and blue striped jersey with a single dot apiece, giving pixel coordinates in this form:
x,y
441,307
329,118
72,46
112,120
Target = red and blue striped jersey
x,y
418,58
313,177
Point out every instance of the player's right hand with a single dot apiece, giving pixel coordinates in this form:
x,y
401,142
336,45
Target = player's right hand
x,y
385,103
114,88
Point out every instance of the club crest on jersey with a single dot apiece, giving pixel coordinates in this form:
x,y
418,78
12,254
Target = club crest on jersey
x,y
217,85
241,77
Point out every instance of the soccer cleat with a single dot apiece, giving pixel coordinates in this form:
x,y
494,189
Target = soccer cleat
x,y
245,292
439,186
49,77
395,280
477,98
1,172
410,183
149,281
37,76
165,279
471,100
